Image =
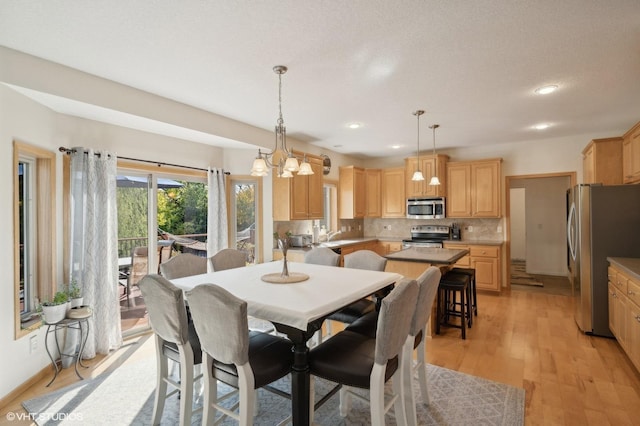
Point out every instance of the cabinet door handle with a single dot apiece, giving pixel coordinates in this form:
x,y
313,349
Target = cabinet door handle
x,y
638,318
630,293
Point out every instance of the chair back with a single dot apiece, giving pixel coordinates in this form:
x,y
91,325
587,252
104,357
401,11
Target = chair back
x,y
221,323
183,265
365,259
228,259
165,250
322,256
139,264
394,320
167,311
428,283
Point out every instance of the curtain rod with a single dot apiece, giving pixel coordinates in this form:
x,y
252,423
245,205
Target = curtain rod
x,y
159,164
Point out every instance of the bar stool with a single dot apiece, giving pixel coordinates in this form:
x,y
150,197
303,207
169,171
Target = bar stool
x,y
472,279
450,285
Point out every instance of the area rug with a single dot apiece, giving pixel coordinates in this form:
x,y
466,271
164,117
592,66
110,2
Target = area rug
x,y
519,275
125,397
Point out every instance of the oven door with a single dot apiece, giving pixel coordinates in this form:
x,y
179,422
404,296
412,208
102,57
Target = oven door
x,y
409,244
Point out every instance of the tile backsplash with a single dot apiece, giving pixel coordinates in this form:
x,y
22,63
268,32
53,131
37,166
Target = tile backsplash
x,y
472,229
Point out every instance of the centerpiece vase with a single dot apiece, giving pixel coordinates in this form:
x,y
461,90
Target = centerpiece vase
x,y
283,244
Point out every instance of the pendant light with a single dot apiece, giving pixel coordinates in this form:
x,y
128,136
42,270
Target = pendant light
x,y
285,168
417,175
434,179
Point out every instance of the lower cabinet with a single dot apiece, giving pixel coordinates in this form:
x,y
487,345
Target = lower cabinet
x,y
292,255
385,247
486,261
624,312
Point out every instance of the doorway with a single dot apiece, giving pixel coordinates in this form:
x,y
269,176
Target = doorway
x,y
536,231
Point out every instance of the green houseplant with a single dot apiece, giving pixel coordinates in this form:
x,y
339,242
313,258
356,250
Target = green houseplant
x,y
55,310
75,294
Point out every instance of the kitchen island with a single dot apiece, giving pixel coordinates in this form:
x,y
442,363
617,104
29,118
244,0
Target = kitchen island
x,y
412,262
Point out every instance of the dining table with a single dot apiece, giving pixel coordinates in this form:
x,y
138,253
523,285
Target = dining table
x,y
297,309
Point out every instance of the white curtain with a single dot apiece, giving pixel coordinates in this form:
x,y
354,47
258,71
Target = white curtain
x,y
94,246
217,234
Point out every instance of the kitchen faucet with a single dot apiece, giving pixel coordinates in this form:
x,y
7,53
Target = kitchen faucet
x,y
332,234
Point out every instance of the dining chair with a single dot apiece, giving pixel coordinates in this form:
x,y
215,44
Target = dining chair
x,y
354,360
183,265
176,339
322,256
361,259
428,283
228,259
139,268
246,360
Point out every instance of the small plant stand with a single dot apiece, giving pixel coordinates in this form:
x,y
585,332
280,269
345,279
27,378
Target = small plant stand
x,y
81,324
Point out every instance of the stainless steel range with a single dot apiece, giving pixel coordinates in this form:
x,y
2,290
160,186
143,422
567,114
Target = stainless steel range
x,y
427,236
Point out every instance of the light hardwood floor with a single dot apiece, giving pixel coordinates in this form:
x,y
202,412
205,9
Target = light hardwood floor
x,y
525,339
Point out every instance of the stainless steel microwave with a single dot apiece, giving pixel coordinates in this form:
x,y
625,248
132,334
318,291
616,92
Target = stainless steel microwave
x,y
426,208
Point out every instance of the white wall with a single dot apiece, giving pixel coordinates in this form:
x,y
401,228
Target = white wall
x,y
518,223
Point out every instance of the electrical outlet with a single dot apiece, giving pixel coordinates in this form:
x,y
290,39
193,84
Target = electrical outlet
x,y
33,344
499,230
470,228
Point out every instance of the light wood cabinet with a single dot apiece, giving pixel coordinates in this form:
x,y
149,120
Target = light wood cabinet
x,y
373,183
473,188
393,195
486,260
352,193
292,256
299,197
385,247
631,155
430,165
624,311
602,161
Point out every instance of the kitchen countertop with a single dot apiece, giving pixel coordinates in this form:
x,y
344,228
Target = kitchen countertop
x,y
439,256
474,242
630,265
335,243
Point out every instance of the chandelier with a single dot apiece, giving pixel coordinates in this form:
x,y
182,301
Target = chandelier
x,y
285,161
434,179
417,175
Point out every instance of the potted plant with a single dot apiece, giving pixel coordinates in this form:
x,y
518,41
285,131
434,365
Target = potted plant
x,y
75,294
55,310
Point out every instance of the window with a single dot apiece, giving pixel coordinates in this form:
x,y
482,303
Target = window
x,y
34,233
161,211
245,213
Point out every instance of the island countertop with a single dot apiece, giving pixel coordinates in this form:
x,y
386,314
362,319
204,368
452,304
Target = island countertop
x,y
433,255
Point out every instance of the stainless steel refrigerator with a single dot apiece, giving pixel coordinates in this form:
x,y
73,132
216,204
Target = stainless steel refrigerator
x,y
602,221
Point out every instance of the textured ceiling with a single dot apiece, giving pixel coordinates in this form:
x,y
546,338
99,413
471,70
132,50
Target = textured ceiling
x,y
472,65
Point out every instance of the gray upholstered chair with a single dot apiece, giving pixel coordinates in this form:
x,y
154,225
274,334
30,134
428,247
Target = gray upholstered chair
x,y
356,360
322,256
228,259
176,339
365,259
183,265
246,360
361,259
428,283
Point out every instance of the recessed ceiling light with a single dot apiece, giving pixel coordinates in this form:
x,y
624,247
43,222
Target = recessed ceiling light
x,y
545,90
396,146
337,146
355,125
541,126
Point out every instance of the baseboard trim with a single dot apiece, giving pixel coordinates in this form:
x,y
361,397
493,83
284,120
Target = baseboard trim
x,y
4,401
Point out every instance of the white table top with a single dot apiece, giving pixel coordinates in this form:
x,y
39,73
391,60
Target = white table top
x,y
328,289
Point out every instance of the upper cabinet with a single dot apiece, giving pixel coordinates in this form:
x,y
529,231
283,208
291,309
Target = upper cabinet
x,y
601,161
473,188
299,197
631,155
352,193
430,165
373,182
393,195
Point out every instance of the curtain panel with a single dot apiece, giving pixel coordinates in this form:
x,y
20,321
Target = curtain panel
x,y
94,245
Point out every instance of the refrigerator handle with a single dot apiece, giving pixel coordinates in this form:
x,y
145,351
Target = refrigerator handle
x,y
571,231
